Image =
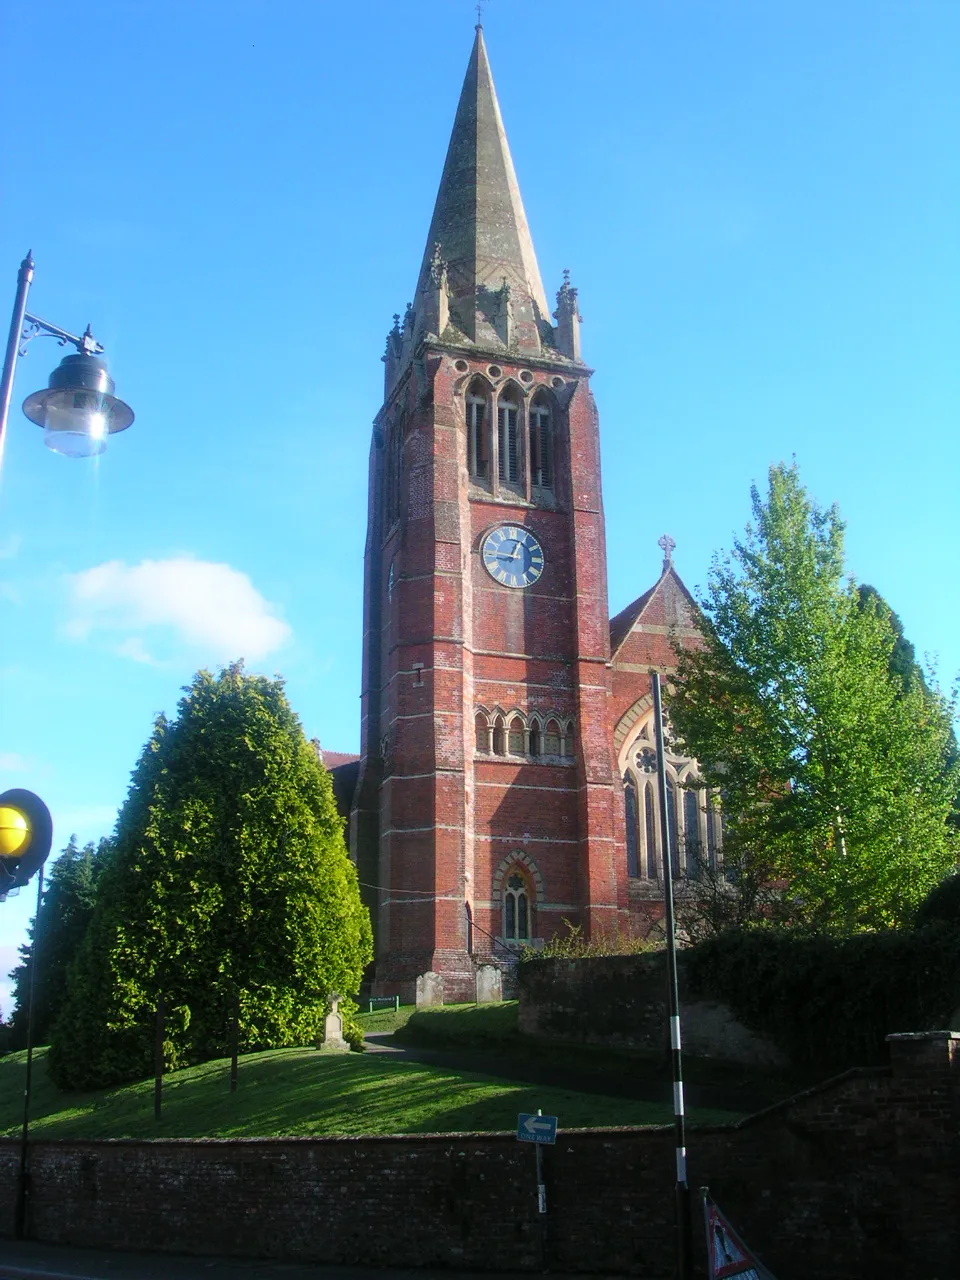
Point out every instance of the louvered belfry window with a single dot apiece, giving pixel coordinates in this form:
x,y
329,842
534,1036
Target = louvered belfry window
x,y
508,442
541,446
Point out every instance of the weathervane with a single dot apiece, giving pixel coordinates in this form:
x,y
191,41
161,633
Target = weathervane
x,y
666,544
479,15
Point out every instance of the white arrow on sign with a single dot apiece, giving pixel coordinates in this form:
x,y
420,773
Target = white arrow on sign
x,y
533,1124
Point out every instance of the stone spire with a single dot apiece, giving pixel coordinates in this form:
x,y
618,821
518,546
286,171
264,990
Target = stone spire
x,y
481,228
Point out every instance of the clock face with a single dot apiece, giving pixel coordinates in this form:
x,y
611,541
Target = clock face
x,y
512,556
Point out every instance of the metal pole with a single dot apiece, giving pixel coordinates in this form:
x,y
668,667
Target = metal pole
x,y
20,1222
24,279
541,1201
158,1059
684,1249
235,1048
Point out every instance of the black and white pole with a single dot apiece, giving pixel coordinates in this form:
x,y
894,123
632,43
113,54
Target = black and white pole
x,y
684,1250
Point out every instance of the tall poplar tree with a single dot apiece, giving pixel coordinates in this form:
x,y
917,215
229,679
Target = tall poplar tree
x,y
229,882
836,772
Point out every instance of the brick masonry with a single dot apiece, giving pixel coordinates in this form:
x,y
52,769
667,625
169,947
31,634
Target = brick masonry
x,y
858,1178
434,823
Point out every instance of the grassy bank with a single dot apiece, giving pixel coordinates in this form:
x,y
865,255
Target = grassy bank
x,y
302,1092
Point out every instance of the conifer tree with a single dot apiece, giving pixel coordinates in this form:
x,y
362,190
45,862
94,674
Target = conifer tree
x,y
836,769
229,882
65,911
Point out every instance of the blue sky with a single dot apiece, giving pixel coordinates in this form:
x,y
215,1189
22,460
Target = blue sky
x,y
759,204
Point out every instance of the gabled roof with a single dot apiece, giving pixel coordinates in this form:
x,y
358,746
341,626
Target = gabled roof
x,y
479,221
627,619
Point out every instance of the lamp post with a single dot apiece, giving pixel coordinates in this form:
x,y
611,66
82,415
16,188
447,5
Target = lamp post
x,y
78,410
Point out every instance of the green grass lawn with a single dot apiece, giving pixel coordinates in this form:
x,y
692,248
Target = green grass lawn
x,y
302,1092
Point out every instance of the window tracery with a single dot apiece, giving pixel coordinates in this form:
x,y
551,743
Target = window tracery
x,y
694,820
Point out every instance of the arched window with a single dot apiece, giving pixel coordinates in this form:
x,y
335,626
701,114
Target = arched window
x,y
393,473
694,816
482,731
478,431
515,742
508,441
551,739
630,818
499,737
541,444
650,827
566,741
691,832
535,740
516,908
672,825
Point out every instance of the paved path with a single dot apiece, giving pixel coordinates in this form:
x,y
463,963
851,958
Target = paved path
x,y
532,1070
24,1260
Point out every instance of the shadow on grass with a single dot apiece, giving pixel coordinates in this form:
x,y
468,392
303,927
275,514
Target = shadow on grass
x,y
298,1092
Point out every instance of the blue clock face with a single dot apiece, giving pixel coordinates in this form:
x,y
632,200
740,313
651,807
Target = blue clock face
x,y
512,556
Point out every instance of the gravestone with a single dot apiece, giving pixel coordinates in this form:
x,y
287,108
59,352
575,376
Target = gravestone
x,y
489,984
333,1041
429,989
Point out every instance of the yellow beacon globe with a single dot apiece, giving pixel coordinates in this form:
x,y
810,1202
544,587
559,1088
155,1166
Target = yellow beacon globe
x,y
14,831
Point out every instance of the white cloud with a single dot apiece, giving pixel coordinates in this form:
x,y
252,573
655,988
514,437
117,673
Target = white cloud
x,y
13,762
211,607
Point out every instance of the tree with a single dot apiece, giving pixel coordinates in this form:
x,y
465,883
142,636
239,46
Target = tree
x,y
835,769
65,911
229,881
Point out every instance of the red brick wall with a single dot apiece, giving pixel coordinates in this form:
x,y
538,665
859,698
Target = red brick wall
x,y
860,1178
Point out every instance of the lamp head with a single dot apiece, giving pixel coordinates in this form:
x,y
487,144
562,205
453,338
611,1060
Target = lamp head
x,y
78,410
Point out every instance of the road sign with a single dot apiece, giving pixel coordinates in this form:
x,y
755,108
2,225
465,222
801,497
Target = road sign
x,y
541,1129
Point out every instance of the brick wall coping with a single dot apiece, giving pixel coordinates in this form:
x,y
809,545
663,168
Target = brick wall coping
x,y
924,1035
825,1086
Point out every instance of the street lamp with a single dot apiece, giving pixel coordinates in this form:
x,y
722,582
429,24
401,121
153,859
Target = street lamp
x,y
78,410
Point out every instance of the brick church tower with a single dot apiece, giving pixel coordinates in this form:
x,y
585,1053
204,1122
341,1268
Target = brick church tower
x,y
487,800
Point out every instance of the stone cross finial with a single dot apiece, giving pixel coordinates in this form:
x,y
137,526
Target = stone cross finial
x,y
666,544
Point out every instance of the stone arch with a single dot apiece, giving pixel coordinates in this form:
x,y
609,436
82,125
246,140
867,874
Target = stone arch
x,y
629,719
518,858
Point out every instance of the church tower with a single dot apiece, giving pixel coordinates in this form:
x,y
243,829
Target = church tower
x,y
484,812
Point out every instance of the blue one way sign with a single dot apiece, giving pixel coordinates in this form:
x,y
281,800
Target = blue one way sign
x,y
536,1128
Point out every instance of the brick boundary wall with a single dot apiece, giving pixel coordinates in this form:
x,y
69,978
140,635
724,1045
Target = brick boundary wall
x,y
859,1177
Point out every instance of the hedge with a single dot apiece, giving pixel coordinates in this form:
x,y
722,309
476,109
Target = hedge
x,y
826,1001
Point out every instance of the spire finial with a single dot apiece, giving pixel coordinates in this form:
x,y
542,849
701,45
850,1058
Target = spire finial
x,y
479,26
666,544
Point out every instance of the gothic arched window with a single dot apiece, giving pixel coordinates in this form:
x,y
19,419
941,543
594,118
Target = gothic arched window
x,y
478,431
551,739
535,739
630,818
515,742
541,444
694,819
482,732
516,908
499,737
691,832
508,441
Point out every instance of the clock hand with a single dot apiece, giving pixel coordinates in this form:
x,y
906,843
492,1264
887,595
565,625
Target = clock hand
x,y
516,552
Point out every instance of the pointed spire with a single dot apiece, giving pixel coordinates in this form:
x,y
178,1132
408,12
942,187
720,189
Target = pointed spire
x,y
479,222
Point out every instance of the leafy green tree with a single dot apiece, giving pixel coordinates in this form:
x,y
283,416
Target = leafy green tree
x,y
835,769
65,911
229,881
